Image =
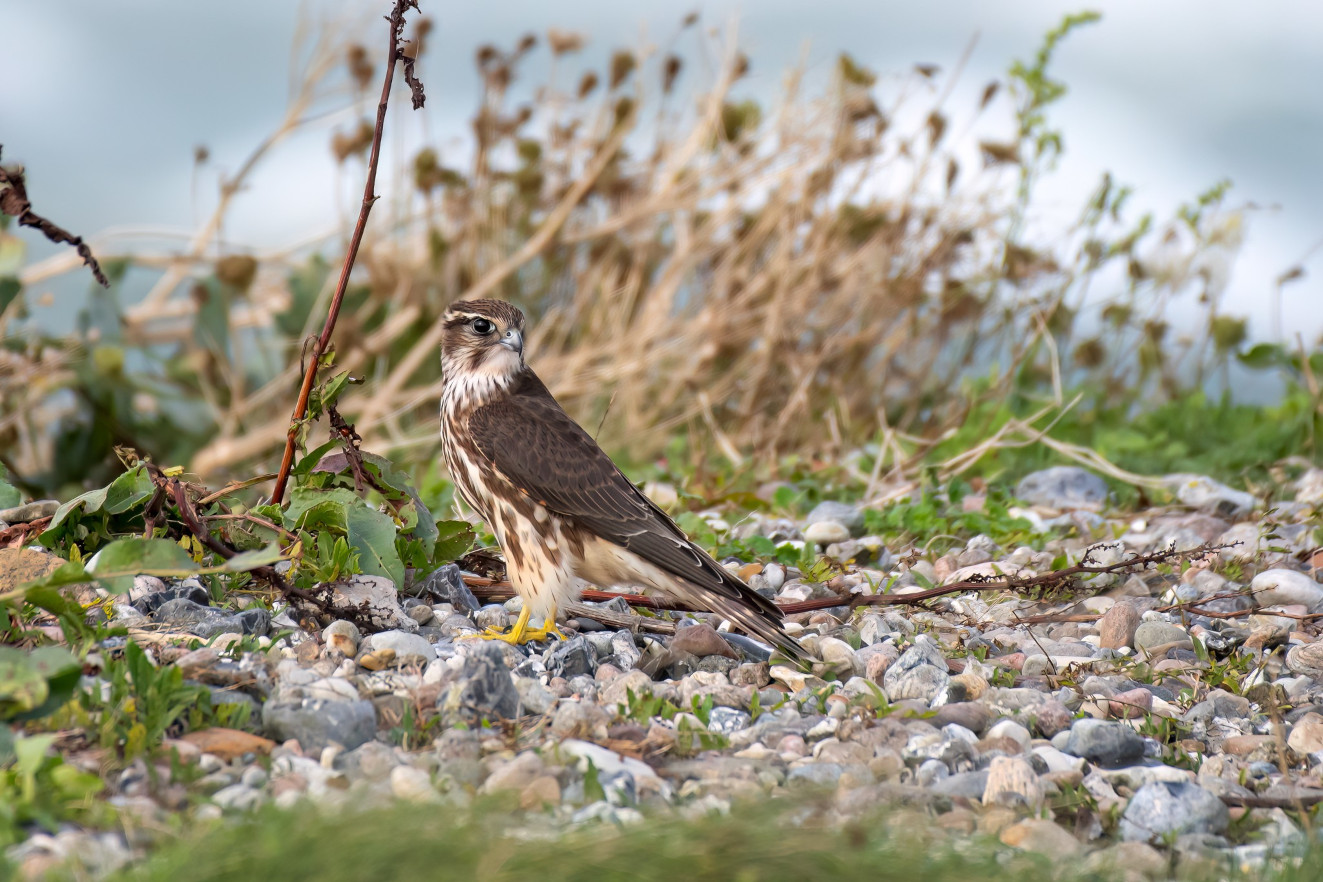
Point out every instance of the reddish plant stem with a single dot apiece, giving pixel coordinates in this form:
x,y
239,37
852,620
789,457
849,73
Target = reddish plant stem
x,y
369,197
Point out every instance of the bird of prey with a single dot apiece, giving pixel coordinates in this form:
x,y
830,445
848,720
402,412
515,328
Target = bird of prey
x,y
561,510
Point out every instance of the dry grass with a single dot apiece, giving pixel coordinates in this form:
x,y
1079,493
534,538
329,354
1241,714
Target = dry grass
x,y
798,277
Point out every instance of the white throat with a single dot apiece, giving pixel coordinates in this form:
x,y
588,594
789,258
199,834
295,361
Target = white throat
x,y
466,385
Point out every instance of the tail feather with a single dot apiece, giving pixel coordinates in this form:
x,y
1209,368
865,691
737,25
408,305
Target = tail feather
x,y
761,625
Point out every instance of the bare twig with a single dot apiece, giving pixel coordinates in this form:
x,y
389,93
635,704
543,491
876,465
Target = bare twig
x,y
395,53
14,202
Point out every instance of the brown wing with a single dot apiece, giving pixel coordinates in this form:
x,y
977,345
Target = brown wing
x,y
547,455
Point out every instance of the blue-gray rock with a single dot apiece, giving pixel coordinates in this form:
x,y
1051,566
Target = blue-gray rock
x,y
728,720
206,621
1104,742
317,723
486,690
1062,487
970,785
1160,809
748,648
815,775
150,603
446,583
848,516
409,648
570,658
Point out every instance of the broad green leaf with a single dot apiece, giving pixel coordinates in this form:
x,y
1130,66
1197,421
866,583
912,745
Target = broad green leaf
x,y
372,535
10,288
88,502
61,670
305,498
22,686
251,560
31,752
129,489
454,539
121,560
310,460
9,495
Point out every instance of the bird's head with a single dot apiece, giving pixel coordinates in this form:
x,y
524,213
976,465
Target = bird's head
x,y
483,344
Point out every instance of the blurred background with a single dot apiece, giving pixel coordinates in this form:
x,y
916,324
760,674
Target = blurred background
x,y
756,230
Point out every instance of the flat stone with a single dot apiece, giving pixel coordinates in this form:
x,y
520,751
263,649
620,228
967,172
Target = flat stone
x,y
1306,734
317,723
702,640
1063,488
826,533
1162,809
413,785
378,596
1152,635
1131,704
850,516
410,649
1281,587
228,744
1306,660
486,689
571,658
1104,742
1041,837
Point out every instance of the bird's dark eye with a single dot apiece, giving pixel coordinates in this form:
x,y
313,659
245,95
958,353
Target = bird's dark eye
x,y
483,327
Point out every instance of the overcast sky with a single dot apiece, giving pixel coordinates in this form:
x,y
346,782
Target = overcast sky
x,y
104,100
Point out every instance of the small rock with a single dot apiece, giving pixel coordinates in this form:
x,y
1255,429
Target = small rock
x,y
1151,635
378,596
151,601
343,636
1306,660
446,584
317,723
1116,628
826,532
412,785
228,744
1063,488
410,649
1161,809
1012,730
205,621
1104,742
542,791
1013,782
1041,837
571,658
534,698
727,721
1131,704
487,690
377,660
701,640
848,516
1205,494
1306,734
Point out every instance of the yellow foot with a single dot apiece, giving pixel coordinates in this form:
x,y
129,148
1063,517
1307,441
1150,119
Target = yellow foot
x,y
521,633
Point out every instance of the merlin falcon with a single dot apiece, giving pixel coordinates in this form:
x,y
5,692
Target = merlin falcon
x,y
561,510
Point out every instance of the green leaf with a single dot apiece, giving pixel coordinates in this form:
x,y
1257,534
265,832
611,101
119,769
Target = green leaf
x,y
372,535
121,560
88,502
9,495
1264,355
251,560
62,670
10,288
128,490
304,498
454,539
309,461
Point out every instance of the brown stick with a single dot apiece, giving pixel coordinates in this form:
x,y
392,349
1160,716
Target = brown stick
x,y
14,202
395,54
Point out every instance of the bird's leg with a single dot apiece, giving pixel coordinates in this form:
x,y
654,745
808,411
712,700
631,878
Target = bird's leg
x,y
521,633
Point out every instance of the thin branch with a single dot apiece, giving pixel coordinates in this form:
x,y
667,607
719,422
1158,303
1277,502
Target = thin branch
x,y
14,202
395,53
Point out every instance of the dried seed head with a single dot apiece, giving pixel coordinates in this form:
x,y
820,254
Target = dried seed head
x,y
564,42
360,66
201,154
347,144
486,55
670,70
237,271
527,43
622,65
587,85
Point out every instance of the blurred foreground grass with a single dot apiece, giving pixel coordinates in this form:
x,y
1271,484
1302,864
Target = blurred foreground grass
x,y
766,843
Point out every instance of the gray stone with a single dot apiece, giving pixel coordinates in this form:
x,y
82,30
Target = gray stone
x,y
376,595
1104,742
826,533
1063,487
815,775
409,648
1161,809
486,690
29,512
446,584
317,723
151,602
1205,494
571,658
727,720
969,785
206,621
924,683
1279,587
849,516
533,696
1150,635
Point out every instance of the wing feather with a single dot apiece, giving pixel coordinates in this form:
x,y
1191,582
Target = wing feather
x,y
547,455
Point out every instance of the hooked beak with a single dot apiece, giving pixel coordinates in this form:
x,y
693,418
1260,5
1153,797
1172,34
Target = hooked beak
x,y
514,341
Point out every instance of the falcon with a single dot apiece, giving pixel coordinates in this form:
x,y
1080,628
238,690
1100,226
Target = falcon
x,y
561,510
